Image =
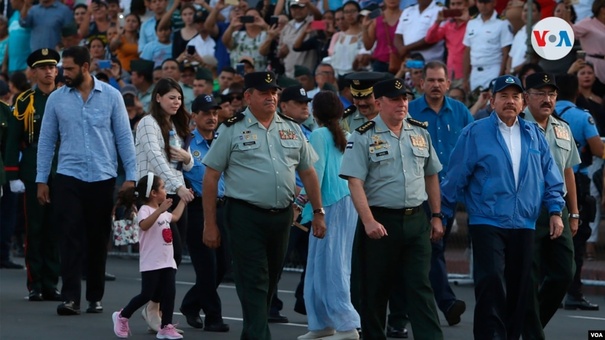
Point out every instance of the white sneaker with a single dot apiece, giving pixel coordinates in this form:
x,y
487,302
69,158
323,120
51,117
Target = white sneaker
x,y
348,335
317,334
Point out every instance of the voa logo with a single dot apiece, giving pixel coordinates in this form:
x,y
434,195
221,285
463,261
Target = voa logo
x,y
552,38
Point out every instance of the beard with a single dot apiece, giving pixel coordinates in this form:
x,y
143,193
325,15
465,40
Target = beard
x,y
75,82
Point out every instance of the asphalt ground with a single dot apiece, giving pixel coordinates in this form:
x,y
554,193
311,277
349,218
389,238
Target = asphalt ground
x,y
21,319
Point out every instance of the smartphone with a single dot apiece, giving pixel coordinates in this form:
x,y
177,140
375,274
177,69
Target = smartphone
x,y
239,67
273,20
581,54
246,19
104,64
375,13
318,25
190,49
415,64
232,2
129,100
452,13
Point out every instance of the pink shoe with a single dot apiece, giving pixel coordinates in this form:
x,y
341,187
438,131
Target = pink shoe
x,y
120,325
168,332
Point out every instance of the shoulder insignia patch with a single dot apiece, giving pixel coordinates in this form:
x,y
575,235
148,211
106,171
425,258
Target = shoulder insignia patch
x,y
365,127
349,111
286,117
413,121
234,119
591,120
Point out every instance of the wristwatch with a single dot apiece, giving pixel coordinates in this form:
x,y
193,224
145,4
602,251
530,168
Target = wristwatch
x,y
438,215
576,216
319,211
556,213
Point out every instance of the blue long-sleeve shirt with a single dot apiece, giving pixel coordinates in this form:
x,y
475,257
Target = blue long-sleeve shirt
x,y
199,148
46,23
91,135
481,176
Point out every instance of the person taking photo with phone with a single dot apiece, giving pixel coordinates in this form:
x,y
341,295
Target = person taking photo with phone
x,y
380,31
246,42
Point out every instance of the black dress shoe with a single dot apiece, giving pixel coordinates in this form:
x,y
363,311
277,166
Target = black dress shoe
x,y
94,307
10,265
452,315
109,277
35,295
216,327
581,303
193,319
398,333
277,318
68,308
52,295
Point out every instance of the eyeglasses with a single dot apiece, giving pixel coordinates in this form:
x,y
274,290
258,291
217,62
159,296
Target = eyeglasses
x,y
542,94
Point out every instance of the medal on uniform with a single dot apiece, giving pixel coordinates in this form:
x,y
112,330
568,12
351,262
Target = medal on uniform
x,y
418,141
561,133
287,134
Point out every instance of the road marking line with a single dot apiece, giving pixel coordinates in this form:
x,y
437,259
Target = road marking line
x,y
229,287
240,319
585,317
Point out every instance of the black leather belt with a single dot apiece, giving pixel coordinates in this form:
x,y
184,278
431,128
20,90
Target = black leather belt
x,y
272,211
403,211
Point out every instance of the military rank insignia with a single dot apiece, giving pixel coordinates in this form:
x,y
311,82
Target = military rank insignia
x,y
418,141
287,134
561,133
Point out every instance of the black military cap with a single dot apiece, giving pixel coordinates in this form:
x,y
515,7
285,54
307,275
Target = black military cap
x,y
43,56
284,81
362,83
300,70
204,102
204,73
142,65
391,88
261,81
69,30
539,80
296,93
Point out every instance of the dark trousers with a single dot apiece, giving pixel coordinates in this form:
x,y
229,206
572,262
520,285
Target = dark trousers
x,y
552,271
579,244
8,220
258,241
41,243
400,259
83,210
209,265
502,261
159,282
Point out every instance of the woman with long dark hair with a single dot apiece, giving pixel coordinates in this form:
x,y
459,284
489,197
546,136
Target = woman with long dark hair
x,y
327,281
161,148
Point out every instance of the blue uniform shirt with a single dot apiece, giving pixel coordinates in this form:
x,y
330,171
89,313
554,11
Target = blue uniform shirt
x,y
199,148
582,126
444,126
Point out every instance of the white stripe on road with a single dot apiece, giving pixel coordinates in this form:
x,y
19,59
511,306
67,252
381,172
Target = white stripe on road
x,y
186,283
586,317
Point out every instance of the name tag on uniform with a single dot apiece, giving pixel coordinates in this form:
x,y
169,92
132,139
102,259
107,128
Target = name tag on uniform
x,y
287,134
249,143
561,133
418,141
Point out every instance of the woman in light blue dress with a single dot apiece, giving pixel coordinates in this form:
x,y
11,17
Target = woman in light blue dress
x,y
330,312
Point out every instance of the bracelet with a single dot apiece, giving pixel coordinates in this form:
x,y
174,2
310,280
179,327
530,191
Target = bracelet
x,y
574,216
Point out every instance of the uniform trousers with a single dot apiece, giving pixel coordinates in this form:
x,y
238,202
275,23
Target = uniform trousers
x,y
401,258
9,211
552,271
209,265
258,240
482,76
41,243
83,210
502,260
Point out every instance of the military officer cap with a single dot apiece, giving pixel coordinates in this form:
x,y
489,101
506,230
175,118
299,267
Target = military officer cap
x,y
69,30
142,66
362,83
505,81
43,56
204,102
540,79
296,93
300,70
261,81
284,81
391,88
204,73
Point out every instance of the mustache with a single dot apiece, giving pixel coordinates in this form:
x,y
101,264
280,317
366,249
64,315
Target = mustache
x,y
546,105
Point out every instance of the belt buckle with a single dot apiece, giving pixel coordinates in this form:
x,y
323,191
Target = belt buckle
x,y
274,210
408,211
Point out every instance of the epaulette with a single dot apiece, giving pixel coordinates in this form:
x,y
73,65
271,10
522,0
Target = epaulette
x,y
286,117
475,16
234,119
502,17
559,118
439,4
349,111
365,127
413,121
24,95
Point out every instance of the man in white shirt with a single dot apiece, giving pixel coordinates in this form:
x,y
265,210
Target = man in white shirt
x,y
413,24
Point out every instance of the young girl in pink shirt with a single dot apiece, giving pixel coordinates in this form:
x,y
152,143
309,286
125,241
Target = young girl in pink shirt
x,y
156,260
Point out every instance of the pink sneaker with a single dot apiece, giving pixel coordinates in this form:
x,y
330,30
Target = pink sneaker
x,y
168,332
120,325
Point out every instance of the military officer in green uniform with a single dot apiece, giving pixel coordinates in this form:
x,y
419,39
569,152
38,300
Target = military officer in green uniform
x,y
259,151
553,263
42,252
392,169
363,108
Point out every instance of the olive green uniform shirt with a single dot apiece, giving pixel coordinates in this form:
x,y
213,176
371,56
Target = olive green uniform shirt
x,y
259,164
392,168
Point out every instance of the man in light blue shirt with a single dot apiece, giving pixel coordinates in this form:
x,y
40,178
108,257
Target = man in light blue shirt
x,y
46,21
90,119
148,32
